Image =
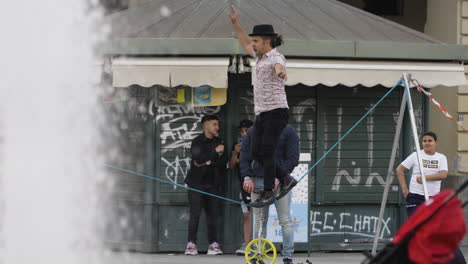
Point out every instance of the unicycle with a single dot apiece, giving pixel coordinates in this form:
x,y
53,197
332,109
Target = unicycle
x,y
260,250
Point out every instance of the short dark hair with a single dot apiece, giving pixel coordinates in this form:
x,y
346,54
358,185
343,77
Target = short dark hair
x,y
275,41
209,118
431,134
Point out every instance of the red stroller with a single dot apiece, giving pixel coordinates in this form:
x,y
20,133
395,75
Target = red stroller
x,y
431,235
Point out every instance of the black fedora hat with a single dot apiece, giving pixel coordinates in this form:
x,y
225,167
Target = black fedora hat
x,y
263,30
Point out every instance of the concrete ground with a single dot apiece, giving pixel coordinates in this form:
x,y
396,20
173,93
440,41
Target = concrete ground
x,y
139,258
315,257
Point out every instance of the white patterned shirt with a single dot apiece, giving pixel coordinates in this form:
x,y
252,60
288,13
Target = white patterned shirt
x,y
269,92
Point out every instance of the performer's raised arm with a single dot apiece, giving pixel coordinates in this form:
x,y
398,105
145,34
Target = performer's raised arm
x,y
241,35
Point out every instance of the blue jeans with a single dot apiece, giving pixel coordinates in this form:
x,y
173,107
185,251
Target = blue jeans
x,y
284,216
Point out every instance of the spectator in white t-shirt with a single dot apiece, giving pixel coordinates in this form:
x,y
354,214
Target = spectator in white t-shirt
x,y
435,170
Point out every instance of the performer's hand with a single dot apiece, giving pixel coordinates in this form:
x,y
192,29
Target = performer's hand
x,y
234,15
277,182
280,71
249,185
419,179
220,149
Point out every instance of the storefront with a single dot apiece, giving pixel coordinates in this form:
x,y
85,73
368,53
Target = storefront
x,y
331,85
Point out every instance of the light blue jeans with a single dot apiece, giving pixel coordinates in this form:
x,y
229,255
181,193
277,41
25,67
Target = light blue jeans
x,y
284,216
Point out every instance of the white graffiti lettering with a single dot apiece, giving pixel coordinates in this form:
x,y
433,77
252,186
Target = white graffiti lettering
x,y
299,111
333,223
176,168
357,222
355,179
325,226
342,219
179,126
314,221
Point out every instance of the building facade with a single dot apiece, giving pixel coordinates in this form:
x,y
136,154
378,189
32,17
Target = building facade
x,y
345,57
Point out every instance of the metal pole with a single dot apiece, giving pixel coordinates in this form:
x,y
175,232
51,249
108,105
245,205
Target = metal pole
x,y
396,140
406,78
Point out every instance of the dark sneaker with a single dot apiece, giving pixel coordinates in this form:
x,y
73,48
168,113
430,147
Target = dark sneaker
x,y
288,183
287,261
266,198
255,261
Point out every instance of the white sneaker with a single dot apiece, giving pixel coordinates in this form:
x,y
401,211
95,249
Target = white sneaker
x,y
241,250
191,249
214,249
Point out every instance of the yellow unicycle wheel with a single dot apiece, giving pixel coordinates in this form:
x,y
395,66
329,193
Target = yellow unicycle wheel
x,y
260,251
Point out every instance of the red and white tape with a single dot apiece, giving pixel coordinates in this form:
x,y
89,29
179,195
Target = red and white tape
x,y
444,111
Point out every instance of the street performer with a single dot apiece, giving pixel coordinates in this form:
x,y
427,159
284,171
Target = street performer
x,y
271,105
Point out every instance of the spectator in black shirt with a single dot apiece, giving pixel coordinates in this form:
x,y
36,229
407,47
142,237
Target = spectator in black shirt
x,y
206,171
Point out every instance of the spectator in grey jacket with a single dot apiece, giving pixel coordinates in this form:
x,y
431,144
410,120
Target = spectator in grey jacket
x,y
286,158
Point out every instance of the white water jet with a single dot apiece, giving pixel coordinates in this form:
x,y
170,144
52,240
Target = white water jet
x,y
49,123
